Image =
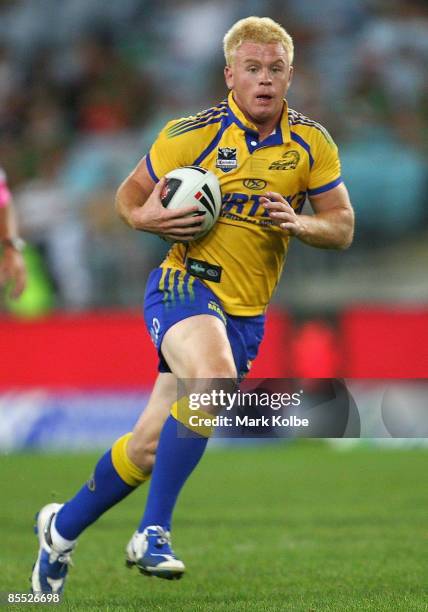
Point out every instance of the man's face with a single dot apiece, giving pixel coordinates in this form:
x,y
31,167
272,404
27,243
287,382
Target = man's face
x,y
259,75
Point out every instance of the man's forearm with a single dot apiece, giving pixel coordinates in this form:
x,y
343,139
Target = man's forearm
x,y
129,196
12,265
8,227
331,229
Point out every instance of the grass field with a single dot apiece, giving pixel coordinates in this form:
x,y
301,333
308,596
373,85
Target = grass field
x,y
295,527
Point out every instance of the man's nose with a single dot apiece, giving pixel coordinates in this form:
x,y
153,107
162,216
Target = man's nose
x,y
265,77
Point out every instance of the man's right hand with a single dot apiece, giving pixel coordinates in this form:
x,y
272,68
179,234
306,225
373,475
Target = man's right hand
x,y
13,270
171,224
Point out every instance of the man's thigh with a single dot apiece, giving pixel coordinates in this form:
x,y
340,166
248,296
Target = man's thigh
x,y
198,347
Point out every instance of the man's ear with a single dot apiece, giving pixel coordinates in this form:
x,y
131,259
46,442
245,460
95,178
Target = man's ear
x,y
228,76
290,76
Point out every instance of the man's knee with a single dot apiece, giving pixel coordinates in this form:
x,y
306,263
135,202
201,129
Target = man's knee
x,y
142,452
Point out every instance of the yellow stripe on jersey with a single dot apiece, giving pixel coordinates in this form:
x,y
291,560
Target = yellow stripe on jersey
x,y
171,286
297,160
180,284
162,280
190,289
162,284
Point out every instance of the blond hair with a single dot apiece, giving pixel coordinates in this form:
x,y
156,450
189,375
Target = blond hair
x,y
259,30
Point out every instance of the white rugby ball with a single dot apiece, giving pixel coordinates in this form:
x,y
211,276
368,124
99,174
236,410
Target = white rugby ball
x,y
192,185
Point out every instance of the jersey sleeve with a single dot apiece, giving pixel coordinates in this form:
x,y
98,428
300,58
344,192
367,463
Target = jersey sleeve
x,y
179,144
5,195
325,171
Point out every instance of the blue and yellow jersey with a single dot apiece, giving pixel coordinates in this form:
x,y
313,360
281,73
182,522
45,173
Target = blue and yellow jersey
x,y
298,159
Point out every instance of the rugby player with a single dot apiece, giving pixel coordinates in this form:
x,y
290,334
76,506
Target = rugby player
x,y
268,159
12,266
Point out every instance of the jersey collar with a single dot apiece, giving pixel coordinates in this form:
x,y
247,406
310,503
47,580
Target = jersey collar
x,y
278,137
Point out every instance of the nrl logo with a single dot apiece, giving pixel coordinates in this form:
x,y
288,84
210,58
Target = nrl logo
x,y
289,161
226,159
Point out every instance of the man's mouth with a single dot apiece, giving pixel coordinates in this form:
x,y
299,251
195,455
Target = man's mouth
x,y
264,97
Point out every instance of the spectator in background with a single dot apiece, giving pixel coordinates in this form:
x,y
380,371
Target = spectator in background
x,y
52,223
10,85
101,90
392,56
386,133
12,266
395,47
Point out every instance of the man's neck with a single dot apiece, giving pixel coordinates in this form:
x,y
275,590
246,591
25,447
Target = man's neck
x,y
265,129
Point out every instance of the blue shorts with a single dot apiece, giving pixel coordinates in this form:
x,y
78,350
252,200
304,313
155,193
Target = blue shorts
x,y
175,295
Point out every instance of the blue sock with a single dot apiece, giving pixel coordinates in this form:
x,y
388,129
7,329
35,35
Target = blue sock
x,y
105,489
176,458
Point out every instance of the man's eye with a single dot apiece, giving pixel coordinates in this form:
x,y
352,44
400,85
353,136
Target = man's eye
x,y
252,69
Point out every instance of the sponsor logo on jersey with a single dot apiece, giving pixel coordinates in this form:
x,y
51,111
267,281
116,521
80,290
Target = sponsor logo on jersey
x,y
249,204
196,267
226,159
214,306
289,161
203,269
255,184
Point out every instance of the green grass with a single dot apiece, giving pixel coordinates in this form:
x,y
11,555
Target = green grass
x,y
290,527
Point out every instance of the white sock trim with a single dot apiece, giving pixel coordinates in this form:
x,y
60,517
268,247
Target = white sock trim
x,y
59,543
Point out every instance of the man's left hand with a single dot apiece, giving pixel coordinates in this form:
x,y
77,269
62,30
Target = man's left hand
x,y
282,213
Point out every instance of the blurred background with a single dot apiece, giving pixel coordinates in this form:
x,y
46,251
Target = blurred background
x,y
86,85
